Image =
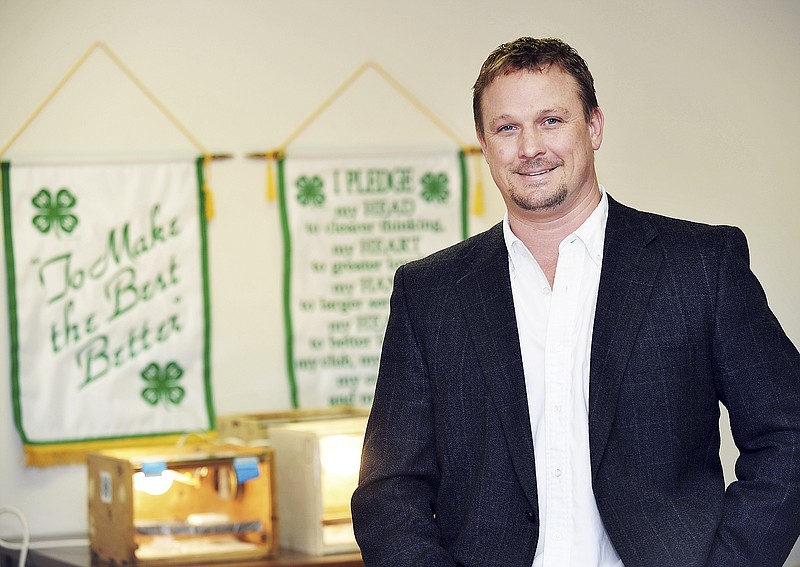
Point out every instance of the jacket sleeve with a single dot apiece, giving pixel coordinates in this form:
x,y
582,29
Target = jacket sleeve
x,y
757,372
393,507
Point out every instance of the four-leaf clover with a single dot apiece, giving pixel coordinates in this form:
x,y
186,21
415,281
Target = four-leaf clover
x,y
310,191
163,384
434,187
54,213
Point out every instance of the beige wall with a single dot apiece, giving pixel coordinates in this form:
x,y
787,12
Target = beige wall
x,y
700,100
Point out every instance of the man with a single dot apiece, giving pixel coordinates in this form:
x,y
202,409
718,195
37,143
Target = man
x,y
549,390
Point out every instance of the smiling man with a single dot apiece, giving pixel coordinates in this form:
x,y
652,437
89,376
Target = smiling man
x,y
549,390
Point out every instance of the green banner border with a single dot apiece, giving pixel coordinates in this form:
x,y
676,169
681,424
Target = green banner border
x,y
11,283
201,212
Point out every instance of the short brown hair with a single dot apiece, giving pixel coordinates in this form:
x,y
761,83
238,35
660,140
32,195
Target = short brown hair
x,y
529,53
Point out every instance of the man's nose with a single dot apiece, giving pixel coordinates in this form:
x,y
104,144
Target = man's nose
x,y
531,143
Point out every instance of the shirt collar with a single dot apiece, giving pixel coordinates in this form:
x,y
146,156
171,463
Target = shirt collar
x,y
592,233
593,230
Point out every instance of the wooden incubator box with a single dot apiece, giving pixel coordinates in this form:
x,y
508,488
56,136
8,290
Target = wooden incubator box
x,y
169,506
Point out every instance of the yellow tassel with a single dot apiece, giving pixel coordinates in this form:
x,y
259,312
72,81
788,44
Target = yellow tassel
x,y
272,193
209,198
207,193
478,207
477,200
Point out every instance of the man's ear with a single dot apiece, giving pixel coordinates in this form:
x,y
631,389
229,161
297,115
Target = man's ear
x,y
481,141
596,128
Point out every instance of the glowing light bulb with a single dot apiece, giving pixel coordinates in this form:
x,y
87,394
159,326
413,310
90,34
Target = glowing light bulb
x,y
340,455
153,485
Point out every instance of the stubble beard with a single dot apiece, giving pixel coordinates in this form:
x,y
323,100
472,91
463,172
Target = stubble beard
x,y
532,198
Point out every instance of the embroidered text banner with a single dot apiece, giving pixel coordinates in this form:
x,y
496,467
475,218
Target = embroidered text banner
x,y
108,300
349,222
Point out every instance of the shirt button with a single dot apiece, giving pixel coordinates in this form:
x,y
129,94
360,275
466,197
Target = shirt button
x,y
557,473
557,408
557,536
545,290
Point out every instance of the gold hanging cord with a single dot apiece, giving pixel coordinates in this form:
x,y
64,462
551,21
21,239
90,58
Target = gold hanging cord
x,y
207,157
280,152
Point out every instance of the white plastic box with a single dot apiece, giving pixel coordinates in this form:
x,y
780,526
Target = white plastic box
x,y
316,467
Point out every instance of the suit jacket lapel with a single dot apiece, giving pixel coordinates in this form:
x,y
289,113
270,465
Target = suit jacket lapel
x,y
626,281
485,293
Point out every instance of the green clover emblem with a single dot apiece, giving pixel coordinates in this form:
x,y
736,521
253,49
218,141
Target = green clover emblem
x,y
54,213
434,187
163,384
310,191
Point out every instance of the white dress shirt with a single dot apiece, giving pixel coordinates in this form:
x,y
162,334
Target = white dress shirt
x,y
555,332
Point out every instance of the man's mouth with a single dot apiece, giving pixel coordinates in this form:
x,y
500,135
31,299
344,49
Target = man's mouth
x,y
535,173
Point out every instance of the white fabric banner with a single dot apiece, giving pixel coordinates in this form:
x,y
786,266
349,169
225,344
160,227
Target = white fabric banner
x,y
108,300
349,222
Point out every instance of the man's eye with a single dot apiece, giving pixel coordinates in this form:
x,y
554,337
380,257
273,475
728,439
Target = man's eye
x,y
506,128
551,121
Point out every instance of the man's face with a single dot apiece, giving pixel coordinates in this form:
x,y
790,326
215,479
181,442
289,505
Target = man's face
x,y
537,142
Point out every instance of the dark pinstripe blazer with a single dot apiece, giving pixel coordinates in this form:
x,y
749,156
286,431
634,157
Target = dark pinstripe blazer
x,y
681,324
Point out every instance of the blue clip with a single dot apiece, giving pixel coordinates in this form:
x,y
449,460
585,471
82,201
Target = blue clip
x,y
154,468
246,468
